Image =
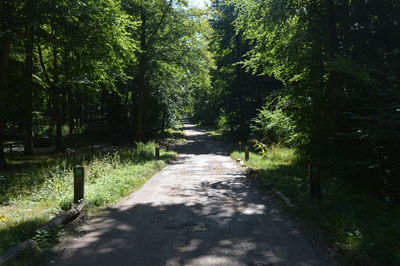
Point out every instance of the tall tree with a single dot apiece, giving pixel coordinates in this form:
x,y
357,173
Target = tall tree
x,y
30,15
236,94
333,58
7,9
5,46
166,38
88,47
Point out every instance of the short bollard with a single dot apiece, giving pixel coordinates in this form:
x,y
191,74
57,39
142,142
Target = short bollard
x,y
240,147
246,153
315,181
157,153
79,183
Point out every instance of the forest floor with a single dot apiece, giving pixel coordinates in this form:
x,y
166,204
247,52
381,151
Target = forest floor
x,y
200,210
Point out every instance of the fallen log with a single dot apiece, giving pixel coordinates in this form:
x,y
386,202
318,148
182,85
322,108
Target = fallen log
x,y
28,245
63,218
23,247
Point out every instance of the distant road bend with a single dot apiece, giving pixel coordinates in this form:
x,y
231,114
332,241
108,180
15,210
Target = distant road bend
x,y
200,210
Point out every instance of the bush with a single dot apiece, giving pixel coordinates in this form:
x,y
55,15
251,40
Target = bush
x,y
223,124
144,151
273,127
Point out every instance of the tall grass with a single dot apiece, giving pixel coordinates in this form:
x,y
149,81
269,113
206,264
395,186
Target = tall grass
x,y
32,196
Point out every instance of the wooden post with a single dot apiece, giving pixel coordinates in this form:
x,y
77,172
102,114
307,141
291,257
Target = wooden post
x,y
240,147
79,183
246,153
315,181
157,153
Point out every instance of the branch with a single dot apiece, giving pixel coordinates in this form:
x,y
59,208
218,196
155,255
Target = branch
x,y
156,28
42,65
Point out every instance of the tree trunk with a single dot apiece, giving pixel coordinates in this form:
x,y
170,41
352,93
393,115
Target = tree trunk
x,y
28,99
5,47
57,103
332,32
164,118
334,93
78,108
140,93
139,108
58,117
69,95
71,112
332,50
239,84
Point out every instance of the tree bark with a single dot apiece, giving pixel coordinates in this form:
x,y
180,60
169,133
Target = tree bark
x,y
240,84
334,92
332,47
164,118
5,48
139,107
140,88
71,113
28,98
332,32
58,117
57,103
69,95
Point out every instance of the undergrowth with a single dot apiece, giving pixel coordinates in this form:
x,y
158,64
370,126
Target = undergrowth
x,y
31,197
356,223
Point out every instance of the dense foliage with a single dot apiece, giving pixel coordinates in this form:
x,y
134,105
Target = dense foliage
x,y
123,66
339,65
236,94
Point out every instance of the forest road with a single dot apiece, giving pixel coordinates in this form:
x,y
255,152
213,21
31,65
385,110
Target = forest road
x,y
200,210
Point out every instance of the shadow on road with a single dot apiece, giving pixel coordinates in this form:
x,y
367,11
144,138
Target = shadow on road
x,y
218,231
200,211
199,142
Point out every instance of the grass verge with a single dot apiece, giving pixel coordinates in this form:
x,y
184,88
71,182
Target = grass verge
x,y
356,223
31,197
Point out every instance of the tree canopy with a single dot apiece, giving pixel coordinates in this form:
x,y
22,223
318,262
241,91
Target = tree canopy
x,y
73,65
331,81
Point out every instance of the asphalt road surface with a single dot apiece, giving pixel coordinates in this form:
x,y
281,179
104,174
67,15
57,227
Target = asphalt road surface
x,y
200,210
